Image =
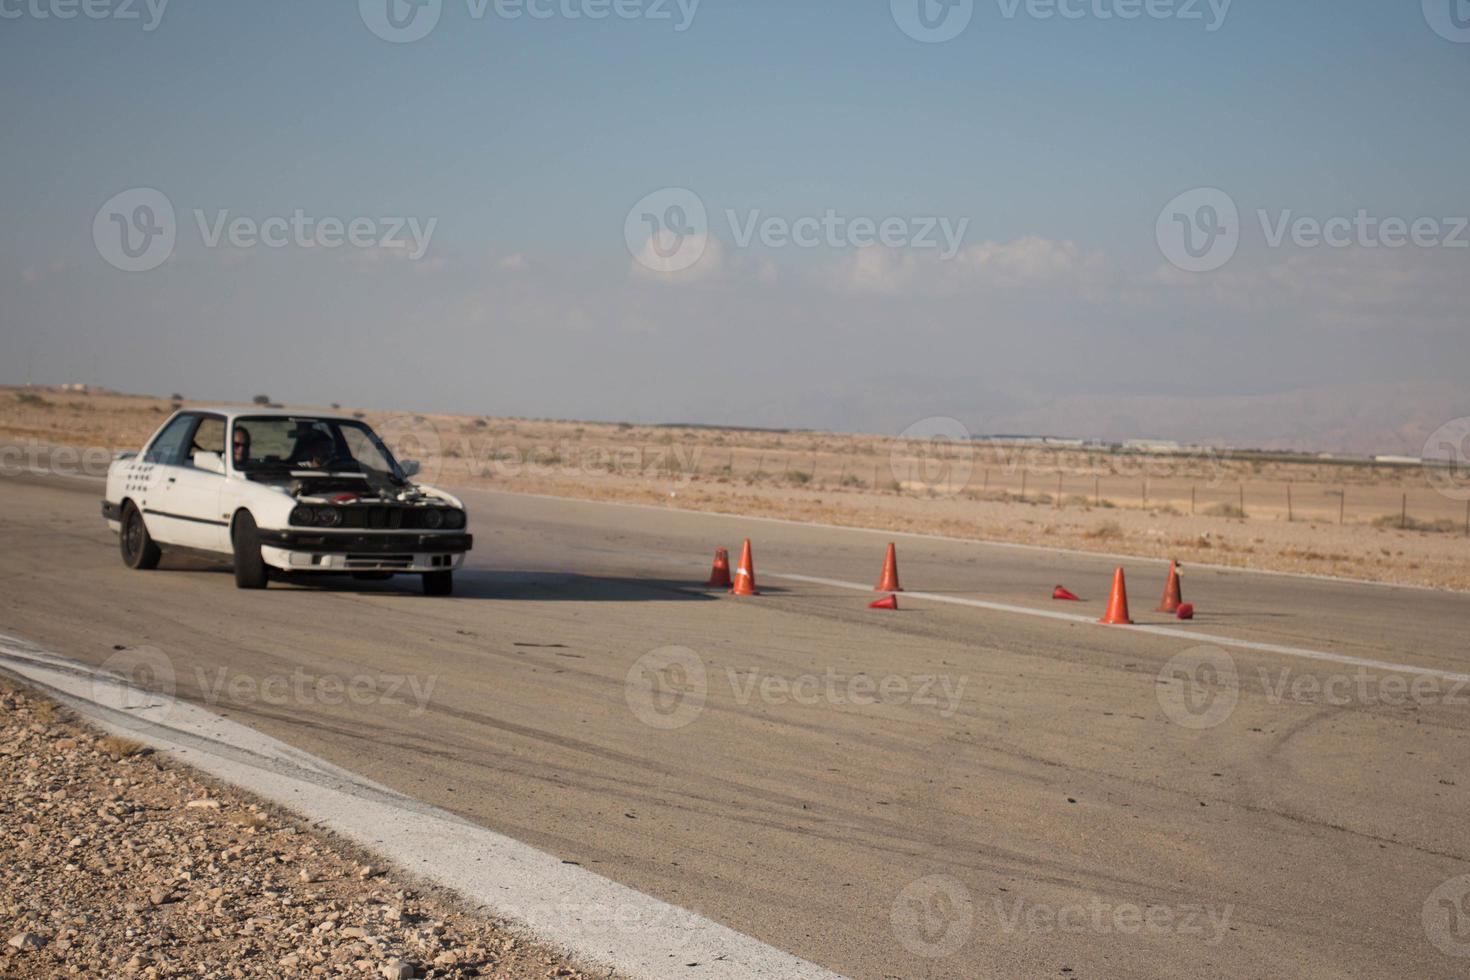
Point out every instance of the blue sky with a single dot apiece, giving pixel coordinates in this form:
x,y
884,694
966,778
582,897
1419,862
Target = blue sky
x,y
528,141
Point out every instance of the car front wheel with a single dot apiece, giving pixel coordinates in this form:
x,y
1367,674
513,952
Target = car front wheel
x,y
250,568
139,551
438,583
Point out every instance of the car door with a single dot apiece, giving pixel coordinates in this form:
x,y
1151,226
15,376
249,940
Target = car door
x,y
192,493
151,476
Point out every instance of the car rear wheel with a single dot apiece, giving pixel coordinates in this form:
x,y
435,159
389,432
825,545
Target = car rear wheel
x,y
138,548
250,568
438,583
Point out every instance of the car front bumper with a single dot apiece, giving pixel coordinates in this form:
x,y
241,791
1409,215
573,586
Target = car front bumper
x,y
314,551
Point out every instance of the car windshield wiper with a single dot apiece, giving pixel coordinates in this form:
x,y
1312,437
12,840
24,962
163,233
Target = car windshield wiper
x,y
381,480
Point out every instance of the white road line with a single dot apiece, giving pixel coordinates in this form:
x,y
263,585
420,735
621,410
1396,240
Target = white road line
x,y
918,535
1226,641
982,542
599,922
1170,631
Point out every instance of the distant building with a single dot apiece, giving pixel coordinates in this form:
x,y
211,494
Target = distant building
x,y
1150,446
1005,440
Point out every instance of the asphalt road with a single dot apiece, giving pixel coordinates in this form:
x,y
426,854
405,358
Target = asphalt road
x,y
1027,792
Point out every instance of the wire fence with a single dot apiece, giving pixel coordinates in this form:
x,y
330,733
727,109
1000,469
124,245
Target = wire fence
x,y
1393,497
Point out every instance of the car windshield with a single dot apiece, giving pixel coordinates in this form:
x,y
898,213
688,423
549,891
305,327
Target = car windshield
x,y
272,443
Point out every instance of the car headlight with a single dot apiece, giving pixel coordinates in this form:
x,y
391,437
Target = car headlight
x,y
303,515
328,517
454,519
433,518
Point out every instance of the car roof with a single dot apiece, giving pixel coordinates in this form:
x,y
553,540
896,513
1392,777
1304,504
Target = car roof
x,y
235,411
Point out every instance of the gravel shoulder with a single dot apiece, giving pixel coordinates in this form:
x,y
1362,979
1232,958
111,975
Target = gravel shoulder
x,y
122,862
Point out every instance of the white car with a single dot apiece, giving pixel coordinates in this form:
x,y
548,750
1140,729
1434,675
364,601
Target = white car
x,y
294,493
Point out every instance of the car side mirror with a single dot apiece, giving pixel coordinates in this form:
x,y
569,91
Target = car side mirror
x,y
410,468
210,462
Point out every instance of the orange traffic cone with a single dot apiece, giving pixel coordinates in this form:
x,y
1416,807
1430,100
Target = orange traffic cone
x,y
745,574
890,573
1118,603
719,576
891,602
1062,592
1172,599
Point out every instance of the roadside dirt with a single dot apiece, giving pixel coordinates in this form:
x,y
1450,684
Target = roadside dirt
x,y
1330,517
122,863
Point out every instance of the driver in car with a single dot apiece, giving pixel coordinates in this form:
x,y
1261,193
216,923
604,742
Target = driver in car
x,y
242,446
314,451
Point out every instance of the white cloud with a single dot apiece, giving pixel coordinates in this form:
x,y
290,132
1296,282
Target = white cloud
x,y
686,258
1002,327
876,269
1032,260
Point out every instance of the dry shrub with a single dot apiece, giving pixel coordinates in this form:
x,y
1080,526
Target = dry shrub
x,y
46,712
247,818
120,748
32,400
1441,526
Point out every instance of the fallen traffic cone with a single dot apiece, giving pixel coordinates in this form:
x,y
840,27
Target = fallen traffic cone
x,y
890,573
1186,610
1118,603
719,576
891,602
745,574
1060,592
1172,598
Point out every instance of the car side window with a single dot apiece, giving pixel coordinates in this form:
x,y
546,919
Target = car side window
x,y
168,447
208,438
